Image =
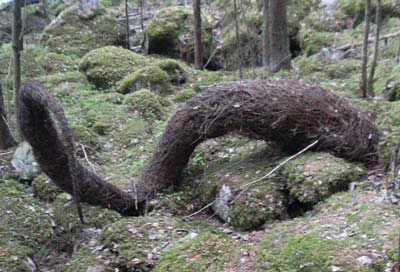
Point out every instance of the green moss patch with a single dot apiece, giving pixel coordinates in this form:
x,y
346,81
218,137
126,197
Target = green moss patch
x,y
184,95
346,227
315,176
205,252
22,220
105,67
152,78
145,102
44,188
137,242
66,216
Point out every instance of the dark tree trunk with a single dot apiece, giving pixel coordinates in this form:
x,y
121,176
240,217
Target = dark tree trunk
x,y
265,33
128,44
141,15
6,138
364,76
280,57
198,48
17,44
370,86
238,44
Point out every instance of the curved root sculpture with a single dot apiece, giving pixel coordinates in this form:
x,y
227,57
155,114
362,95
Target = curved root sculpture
x,y
54,152
288,113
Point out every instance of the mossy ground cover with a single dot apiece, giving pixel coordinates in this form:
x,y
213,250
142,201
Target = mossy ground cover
x,y
345,228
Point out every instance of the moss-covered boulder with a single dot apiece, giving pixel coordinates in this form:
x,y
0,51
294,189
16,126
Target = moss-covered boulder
x,y
356,9
152,78
44,188
105,67
66,215
164,30
205,252
77,30
144,102
136,243
313,177
184,95
175,70
221,181
257,206
393,91
170,33
24,227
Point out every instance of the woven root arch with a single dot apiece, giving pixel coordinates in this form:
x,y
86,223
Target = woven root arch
x,y
288,113
55,153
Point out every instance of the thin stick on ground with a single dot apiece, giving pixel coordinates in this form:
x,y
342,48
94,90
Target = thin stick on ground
x,y
246,186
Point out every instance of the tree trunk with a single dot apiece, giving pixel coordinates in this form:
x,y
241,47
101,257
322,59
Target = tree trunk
x,y
6,138
265,33
198,48
238,45
128,45
141,16
17,44
370,86
364,76
280,57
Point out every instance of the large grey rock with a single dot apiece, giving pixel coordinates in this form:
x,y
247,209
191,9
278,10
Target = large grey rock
x,y
24,162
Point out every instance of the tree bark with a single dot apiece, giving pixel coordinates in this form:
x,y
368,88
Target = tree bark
x,y
280,56
17,44
198,48
6,138
364,76
265,32
141,16
128,44
370,84
238,44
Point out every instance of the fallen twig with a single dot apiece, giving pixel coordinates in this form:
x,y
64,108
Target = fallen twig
x,y
353,45
248,185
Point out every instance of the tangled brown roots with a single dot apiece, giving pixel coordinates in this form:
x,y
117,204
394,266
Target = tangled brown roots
x,y
288,113
54,152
